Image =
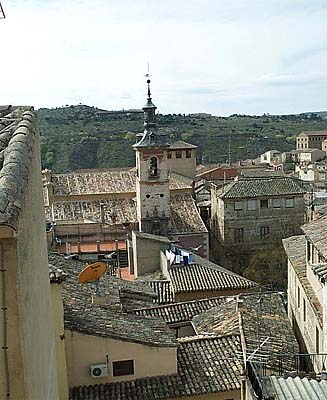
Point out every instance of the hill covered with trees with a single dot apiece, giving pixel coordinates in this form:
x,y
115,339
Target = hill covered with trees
x,y
75,137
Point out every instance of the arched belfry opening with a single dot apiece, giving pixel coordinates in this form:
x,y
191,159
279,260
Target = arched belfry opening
x,y
154,167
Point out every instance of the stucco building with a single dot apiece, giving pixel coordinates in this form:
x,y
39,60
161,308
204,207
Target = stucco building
x,y
307,295
255,211
28,356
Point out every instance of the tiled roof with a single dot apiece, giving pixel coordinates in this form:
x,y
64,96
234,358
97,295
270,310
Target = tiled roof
x,y
111,181
56,275
205,275
80,315
295,248
163,290
314,133
94,182
185,217
259,316
220,320
177,181
296,388
316,232
206,365
180,144
261,187
115,211
150,236
17,136
181,312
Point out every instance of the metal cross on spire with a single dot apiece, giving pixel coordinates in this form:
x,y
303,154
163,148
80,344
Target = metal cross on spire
x,y
2,13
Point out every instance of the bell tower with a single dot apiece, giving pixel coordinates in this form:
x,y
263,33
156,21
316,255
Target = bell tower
x,y
152,185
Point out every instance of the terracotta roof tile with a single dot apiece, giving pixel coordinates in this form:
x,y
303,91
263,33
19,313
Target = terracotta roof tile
x,y
260,187
181,312
17,136
185,217
316,232
205,275
109,320
259,316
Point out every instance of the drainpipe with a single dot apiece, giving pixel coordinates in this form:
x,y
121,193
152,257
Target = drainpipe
x,y
4,318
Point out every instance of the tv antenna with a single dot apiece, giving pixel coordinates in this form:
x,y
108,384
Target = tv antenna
x,y
92,273
2,13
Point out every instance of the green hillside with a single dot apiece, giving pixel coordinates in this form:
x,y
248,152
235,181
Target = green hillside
x,y
74,137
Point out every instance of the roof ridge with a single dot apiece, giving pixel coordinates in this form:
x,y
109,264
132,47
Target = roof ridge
x,y
207,336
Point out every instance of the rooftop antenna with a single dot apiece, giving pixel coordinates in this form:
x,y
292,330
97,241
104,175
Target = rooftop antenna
x,y
2,13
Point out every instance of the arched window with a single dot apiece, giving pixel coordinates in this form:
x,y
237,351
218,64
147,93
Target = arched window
x,y
153,166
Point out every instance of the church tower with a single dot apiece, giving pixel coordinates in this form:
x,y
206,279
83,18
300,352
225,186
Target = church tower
x,y
152,185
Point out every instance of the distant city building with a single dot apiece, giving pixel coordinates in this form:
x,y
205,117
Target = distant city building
x,y
310,140
271,157
311,155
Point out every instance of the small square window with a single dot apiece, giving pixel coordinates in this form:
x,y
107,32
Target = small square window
x,y
264,203
276,203
125,367
289,203
251,205
188,153
238,205
178,153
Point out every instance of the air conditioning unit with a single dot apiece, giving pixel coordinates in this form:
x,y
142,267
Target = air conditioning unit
x,y
99,370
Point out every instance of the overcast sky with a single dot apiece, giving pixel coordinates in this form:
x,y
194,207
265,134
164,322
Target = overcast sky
x,y
216,56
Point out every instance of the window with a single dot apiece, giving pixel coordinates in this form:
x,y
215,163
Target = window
x,y
264,231
317,340
264,203
276,203
308,251
153,166
238,205
188,153
298,297
239,235
168,153
289,203
251,205
304,310
178,153
125,367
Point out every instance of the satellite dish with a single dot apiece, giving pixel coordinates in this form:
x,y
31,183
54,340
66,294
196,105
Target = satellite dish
x,y
92,272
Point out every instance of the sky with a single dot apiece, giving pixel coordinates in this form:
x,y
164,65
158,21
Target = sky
x,y
216,56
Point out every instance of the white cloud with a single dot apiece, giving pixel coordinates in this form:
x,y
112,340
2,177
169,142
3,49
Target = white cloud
x,y
205,56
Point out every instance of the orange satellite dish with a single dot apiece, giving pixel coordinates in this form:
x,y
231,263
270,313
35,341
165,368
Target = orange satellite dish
x,y
92,272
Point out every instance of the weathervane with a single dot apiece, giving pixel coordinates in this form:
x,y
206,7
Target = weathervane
x,y
2,13
147,75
